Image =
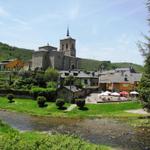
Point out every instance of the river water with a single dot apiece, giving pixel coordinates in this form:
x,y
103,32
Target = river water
x,y
111,132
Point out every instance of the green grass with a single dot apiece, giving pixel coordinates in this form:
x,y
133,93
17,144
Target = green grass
x,y
11,139
93,110
142,122
31,107
107,110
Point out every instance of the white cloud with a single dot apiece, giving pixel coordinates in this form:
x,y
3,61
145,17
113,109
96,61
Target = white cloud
x,y
3,12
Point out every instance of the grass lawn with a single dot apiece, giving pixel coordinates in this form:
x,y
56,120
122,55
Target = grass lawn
x,y
91,110
30,106
107,110
12,139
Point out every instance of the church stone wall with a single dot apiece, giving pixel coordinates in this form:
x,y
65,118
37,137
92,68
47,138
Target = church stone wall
x,y
53,59
48,56
57,60
37,60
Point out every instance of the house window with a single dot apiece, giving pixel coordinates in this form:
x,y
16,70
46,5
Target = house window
x,y
62,46
126,78
85,81
66,74
75,74
72,67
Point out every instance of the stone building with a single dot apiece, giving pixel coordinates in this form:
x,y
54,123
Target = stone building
x,y
62,59
120,79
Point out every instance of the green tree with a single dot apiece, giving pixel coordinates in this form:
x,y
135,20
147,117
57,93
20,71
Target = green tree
x,y
51,74
144,87
78,83
69,80
40,79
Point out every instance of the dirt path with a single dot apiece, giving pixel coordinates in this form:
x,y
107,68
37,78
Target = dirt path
x,y
138,111
71,107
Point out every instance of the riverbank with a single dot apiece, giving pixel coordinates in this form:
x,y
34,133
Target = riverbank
x,y
90,110
13,139
116,133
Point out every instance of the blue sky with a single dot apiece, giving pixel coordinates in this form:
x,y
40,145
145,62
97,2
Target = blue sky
x,y
104,29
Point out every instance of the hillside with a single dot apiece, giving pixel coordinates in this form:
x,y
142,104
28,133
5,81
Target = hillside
x,y
89,64
137,67
9,52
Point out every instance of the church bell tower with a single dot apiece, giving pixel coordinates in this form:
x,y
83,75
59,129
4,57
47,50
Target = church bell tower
x,y
68,45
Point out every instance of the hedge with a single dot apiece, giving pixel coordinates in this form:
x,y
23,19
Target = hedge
x,y
18,93
49,93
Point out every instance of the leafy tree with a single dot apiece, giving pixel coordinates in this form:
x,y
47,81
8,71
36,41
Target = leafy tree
x,y
78,83
144,87
40,80
69,80
52,85
51,74
24,74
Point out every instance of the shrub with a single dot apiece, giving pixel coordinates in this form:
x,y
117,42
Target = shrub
x,y
49,93
145,97
80,103
60,103
52,84
40,79
10,98
51,74
41,101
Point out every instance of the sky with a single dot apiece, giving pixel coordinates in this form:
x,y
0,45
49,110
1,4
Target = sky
x,y
103,29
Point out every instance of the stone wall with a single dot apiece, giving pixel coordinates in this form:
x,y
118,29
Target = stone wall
x,y
37,59
68,46
54,59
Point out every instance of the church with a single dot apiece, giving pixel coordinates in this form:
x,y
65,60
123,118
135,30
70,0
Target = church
x,y
62,58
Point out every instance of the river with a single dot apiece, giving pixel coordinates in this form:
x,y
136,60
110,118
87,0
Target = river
x,y
111,132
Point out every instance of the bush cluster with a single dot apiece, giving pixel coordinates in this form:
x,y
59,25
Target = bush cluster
x,y
16,141
60,103
80,103
10,98
41,100
48,93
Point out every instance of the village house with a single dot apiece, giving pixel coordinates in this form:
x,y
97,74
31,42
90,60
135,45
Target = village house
x,y
69,93
120,79
87,79
12,64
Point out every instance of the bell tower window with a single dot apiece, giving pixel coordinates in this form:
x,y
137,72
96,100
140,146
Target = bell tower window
x,y
72,46
66,46
62,46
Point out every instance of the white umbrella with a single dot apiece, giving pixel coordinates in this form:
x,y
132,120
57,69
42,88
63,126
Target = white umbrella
x,y
107,92
134,93
103,94
115,94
